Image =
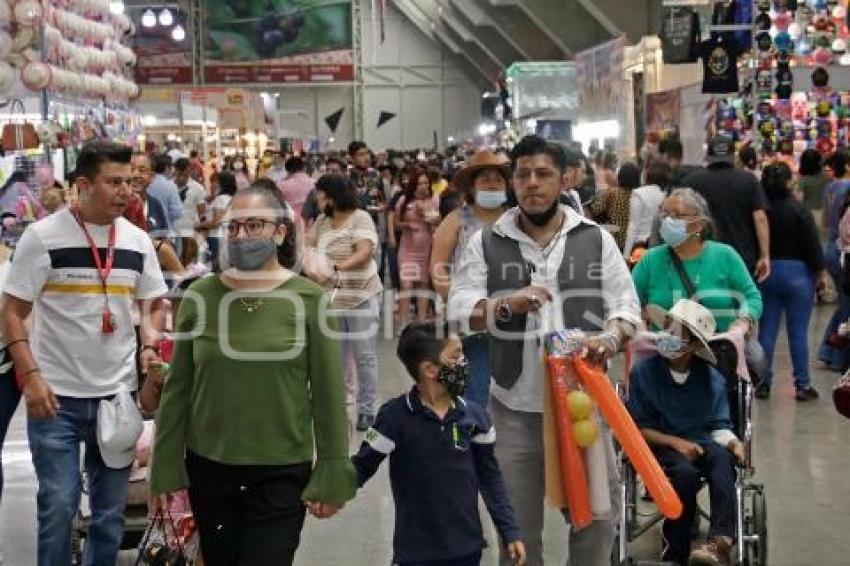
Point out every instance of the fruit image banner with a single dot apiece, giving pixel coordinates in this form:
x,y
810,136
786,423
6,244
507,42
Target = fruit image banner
x,y
278,41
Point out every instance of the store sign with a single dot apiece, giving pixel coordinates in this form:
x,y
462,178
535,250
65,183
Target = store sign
x,y
237,108
161,59
545,89
279,41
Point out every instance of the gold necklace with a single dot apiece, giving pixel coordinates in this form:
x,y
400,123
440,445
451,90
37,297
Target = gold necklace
x,y
250,305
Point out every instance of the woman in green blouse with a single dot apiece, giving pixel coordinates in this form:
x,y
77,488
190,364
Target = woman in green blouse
x,y
716,271
254,376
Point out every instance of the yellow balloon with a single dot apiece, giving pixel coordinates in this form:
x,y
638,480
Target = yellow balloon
x,y
579,404
585,432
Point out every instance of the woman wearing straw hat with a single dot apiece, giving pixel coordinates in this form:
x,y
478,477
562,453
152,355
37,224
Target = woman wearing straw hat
x,y
483,185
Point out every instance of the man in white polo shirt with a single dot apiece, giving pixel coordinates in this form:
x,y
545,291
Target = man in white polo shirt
x,y
79,272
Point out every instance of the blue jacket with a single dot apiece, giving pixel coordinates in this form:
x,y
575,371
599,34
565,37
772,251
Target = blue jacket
x,y
163,189
437,468
691,410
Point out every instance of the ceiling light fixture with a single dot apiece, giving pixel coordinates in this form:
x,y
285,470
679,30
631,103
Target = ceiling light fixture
x,y
166,18
148,18
178,33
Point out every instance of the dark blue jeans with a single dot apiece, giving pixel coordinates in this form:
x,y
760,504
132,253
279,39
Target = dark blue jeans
x,y
55,446
717,466
9,399
790,288
836,358
477,351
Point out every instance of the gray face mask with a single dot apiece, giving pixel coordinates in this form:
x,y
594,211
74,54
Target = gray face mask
x,y
250,254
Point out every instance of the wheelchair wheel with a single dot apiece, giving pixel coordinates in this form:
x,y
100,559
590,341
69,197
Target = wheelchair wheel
x,y
757,551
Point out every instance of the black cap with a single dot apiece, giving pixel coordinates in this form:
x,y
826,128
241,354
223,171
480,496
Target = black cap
x,y
721,149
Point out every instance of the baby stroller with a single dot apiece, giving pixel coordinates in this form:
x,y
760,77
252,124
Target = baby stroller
x,y
136,511
637,518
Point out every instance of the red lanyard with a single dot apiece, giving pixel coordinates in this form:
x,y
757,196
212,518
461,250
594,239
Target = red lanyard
x,y
103,271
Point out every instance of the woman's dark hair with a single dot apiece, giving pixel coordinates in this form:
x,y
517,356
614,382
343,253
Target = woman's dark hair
x,y
838,162
413,181
226,183
287,251
628,177
420,342
749,157
340,190
811,162
659,173
775,180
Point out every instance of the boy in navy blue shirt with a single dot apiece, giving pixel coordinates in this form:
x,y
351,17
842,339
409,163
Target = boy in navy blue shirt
x,y
441,451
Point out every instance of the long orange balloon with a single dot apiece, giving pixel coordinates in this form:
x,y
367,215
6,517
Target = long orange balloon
x,y
573,475
630,438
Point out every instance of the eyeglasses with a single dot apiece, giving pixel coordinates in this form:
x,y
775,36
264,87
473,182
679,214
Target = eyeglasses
x,y
253,227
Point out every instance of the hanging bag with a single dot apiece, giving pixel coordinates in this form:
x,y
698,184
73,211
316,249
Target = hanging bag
x,y
158,547
19,134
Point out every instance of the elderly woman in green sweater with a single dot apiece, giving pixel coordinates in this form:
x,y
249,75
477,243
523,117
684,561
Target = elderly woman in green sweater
x,y
254,376
714,272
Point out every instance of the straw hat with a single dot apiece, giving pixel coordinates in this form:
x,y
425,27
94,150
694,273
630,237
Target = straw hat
x,y
484,159
696,318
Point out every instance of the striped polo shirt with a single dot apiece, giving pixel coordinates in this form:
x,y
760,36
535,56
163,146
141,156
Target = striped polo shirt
x,y
53,267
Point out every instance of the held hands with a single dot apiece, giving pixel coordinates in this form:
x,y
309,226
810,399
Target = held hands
x,y
41,402
323,510
516,552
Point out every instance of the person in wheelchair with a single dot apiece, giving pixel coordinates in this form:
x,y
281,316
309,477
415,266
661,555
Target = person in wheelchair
x,y
679,402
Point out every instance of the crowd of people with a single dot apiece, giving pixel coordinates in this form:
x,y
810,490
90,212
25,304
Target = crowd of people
x,y
272,285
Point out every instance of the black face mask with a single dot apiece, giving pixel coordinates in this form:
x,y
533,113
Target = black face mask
x,y
540,219
455,377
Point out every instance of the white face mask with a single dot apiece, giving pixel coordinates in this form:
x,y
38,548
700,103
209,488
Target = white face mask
x,y
238,166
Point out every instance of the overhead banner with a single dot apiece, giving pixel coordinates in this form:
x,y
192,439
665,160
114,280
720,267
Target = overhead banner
x,y
278,41
162,60
600,72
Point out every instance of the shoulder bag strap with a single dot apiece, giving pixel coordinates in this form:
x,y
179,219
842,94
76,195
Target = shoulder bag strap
x,y
683,275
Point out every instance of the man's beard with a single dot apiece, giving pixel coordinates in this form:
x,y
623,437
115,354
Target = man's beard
x,y
540,219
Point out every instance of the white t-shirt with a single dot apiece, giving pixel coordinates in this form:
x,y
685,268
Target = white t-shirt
x,y
220,204
195,196
54,269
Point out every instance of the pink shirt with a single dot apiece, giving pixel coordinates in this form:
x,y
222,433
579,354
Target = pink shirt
x,y
295,190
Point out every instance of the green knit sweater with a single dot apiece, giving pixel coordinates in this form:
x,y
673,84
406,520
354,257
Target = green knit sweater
x,y
252,388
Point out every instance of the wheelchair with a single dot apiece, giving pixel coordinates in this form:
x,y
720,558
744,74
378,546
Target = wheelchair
x,y
637,518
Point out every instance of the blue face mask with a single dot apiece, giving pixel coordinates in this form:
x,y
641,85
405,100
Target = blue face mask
x,y
490,199
674,231
669,345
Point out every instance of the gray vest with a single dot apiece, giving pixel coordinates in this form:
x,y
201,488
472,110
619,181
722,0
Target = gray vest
x,y
579,282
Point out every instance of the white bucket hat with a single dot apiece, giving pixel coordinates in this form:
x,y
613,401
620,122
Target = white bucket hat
x,y
119,425
696,318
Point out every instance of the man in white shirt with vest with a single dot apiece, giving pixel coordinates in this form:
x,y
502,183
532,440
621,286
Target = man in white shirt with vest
x,y
83,269
542,266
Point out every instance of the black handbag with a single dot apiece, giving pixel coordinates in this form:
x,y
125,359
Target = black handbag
x,y
157,548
